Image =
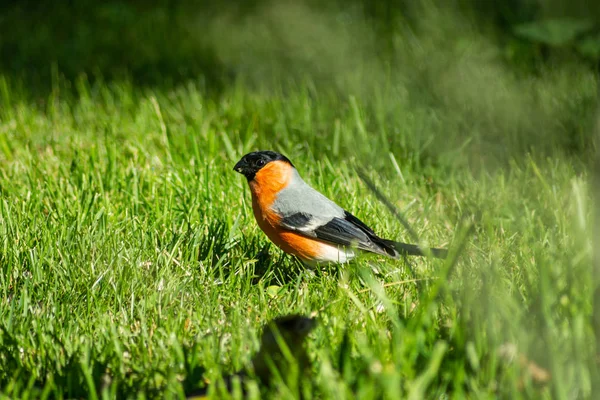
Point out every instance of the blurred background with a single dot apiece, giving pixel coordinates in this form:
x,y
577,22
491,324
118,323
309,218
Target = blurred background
x,y
505,77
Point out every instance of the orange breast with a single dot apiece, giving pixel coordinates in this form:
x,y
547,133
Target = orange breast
x,y
267,183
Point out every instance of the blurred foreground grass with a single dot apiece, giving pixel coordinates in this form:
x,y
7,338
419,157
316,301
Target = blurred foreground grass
x,y
131,263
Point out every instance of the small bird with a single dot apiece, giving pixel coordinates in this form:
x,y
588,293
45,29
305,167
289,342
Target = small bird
x,y
289,331
303,222
282,351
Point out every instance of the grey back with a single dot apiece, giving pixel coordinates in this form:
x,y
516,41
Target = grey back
x,y
299,197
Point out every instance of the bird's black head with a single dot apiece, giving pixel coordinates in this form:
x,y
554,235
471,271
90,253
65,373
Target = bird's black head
x,y
253,162
299,324
293,329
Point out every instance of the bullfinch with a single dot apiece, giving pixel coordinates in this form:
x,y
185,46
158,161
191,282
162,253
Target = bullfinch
x,y
281,338
303,222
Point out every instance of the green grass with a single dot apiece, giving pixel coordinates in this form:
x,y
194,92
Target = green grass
x,y
131,264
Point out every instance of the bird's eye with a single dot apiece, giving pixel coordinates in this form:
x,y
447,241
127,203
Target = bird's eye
x,y
260,163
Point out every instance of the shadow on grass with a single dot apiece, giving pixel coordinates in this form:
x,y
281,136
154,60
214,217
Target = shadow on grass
x,y
249,256
158,43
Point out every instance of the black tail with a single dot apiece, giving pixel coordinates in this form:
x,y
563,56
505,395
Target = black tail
x,y
414,250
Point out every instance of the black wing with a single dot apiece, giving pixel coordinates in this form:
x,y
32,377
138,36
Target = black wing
x,y
348,231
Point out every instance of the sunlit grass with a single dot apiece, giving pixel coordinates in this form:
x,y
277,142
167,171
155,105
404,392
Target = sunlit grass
x,y
131,263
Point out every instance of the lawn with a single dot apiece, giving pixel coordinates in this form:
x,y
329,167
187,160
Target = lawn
x,y
131,264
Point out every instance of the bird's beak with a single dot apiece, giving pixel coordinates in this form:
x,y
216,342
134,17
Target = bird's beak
x,y
240,166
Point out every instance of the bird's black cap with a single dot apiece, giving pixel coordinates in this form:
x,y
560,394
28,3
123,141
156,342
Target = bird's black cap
x,y
253,162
